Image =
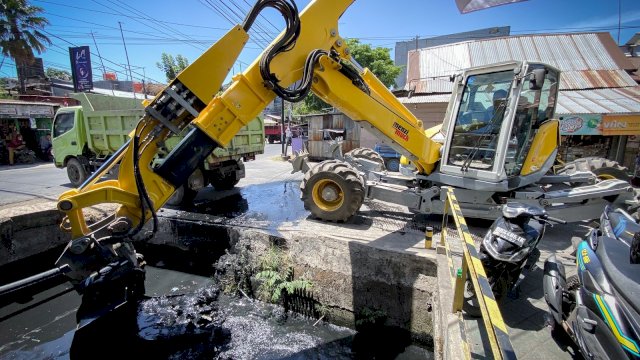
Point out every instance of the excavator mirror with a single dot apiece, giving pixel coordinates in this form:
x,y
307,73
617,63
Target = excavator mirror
x,y
536,78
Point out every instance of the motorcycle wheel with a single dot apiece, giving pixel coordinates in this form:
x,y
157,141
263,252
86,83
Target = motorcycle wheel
x,y
471,306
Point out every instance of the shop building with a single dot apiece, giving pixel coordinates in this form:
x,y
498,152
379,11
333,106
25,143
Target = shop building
x,y
599,98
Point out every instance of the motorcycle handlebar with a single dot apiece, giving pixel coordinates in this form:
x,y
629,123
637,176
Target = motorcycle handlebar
x,y
551,218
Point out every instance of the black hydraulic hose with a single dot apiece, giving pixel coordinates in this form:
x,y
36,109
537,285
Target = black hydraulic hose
x,y
145,201
33,280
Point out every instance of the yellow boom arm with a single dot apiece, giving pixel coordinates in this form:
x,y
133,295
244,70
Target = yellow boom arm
x,y
191,99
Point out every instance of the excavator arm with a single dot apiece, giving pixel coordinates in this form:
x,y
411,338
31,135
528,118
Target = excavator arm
x,y
308,56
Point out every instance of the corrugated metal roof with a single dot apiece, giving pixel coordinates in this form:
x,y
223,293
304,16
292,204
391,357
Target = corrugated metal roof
x,y
583,59
596,101
600,101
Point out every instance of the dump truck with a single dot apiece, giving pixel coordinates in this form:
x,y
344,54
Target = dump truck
x,y
86,136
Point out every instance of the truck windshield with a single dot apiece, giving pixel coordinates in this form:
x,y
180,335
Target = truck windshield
x,y
479,119
62,123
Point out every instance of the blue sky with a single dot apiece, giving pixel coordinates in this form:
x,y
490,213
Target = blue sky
x,y
188,27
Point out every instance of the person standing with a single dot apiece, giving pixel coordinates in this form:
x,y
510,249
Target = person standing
x,y
288,134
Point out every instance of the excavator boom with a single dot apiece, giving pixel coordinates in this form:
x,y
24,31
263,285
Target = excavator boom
x,y
310,53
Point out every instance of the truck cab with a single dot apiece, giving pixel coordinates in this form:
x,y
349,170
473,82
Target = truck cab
x,y
494,120
67,134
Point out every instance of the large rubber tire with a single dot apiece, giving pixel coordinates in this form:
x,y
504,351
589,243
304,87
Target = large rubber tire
x,y
182,196
332,191
603,168
76,172
367,154
224,183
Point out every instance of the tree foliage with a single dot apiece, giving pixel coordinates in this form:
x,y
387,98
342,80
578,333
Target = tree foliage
x,y
376,59
21,33
58,74
20,30
172,66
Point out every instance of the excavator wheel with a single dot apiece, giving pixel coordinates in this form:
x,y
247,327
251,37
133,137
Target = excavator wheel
x,y
603,168
367,154
332,191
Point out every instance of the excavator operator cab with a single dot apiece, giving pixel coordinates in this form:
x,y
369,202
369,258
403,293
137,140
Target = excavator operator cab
x,y
499,133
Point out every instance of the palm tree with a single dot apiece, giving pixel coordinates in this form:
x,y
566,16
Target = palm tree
x,y
20,33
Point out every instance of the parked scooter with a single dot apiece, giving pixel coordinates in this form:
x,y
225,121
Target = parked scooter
x,y
599,307
509,250
24,156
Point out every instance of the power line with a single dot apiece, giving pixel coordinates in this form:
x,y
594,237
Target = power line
x,y
105,59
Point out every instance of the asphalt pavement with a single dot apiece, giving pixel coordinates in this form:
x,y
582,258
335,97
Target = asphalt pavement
x,y
43,181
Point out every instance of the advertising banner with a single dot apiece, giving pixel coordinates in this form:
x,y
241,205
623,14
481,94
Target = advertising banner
x,y
621,125
581,124
81,68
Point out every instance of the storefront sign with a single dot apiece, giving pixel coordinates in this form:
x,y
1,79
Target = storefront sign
x,y
81,68
580,124
18,110
621,125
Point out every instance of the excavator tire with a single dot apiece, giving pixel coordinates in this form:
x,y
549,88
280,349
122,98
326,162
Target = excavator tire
x,y
603,168
332,191
367,154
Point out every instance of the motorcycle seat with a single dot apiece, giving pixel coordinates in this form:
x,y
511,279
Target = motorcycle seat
x,y
621,273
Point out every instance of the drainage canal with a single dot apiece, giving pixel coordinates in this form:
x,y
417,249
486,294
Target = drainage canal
x,y
187,312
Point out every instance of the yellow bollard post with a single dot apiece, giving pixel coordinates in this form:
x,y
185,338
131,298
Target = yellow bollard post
x,y
428,237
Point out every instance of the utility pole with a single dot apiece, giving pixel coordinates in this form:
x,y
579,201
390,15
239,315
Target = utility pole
x,y
283,138
417,37
127,55
619,19
144,85
104,70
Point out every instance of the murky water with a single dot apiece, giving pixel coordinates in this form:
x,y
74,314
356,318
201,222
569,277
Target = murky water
x,y
191,320
185,316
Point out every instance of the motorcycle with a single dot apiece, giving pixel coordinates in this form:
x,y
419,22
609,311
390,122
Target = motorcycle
x,y
509,251
24,156
599,308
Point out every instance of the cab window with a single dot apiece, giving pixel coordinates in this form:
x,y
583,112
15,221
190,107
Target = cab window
x,y
62,123
534,108
479,119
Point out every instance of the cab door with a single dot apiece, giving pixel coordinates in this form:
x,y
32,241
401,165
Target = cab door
x,y
67,137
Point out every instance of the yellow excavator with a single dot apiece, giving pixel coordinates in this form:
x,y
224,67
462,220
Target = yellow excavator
x,y
497,143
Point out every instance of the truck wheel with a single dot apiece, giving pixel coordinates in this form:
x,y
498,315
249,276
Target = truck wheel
x,y
76,172
393,164
603,168
182,195
366,154
224,183
271,140
332,191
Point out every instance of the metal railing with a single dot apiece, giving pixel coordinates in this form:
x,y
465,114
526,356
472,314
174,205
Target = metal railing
x,y
472,266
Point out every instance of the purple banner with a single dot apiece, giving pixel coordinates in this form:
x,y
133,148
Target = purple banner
x,y
81,68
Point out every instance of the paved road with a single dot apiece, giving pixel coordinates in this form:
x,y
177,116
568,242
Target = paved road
x,y
22,183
